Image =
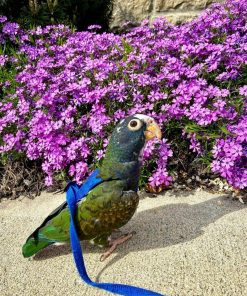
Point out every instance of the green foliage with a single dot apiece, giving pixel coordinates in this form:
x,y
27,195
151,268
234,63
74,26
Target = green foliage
x,y
80,13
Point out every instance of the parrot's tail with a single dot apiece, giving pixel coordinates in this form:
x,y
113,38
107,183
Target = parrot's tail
x,y
34,244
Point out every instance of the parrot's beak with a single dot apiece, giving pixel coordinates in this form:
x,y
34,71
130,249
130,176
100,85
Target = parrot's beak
x,y
152,131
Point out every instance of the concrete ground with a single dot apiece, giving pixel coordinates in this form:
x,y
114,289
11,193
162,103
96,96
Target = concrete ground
x,y
186,244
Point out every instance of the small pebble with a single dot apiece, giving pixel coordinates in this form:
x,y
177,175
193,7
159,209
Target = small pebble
x,y
241,200
198,179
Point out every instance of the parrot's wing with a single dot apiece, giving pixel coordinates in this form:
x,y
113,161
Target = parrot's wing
x,y
53,214
105,208
80,191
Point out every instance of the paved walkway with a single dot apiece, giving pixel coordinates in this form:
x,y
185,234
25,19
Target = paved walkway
x,y
186,244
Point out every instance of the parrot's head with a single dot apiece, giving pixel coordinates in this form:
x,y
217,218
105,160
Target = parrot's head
x,y
130,134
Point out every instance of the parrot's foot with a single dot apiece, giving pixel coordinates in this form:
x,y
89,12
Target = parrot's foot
x,y
116,242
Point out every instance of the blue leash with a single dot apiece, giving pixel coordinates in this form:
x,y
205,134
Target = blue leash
x,y
72,196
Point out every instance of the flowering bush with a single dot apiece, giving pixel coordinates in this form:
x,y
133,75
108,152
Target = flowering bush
x,y
72,87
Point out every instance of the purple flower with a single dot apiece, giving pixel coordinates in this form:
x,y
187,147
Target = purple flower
x,y
243,90
100,154
3,59
3,19
94,27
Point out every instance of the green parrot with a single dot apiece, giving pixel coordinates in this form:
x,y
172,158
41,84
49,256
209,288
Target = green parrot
x,y
111,203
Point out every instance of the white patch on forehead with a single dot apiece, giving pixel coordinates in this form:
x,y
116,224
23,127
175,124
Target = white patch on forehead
x,y
143,117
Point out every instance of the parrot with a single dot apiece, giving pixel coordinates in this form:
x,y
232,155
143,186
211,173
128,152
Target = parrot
x,y
111,203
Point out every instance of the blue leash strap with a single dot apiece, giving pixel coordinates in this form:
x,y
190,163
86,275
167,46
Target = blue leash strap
x,y
120,289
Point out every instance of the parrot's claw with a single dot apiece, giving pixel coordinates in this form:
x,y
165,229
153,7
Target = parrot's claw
x,y
116,242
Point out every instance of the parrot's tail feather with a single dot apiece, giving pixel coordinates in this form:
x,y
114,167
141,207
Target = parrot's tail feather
x,y
33,246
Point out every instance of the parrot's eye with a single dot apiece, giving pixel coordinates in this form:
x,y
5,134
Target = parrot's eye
x,y
134,125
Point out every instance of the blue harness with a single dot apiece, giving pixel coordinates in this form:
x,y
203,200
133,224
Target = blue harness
x,y
75,193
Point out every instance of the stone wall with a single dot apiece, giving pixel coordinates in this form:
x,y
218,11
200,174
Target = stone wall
x,y
176,11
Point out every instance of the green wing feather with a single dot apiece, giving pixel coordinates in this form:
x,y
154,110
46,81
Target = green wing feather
x,y
105,208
